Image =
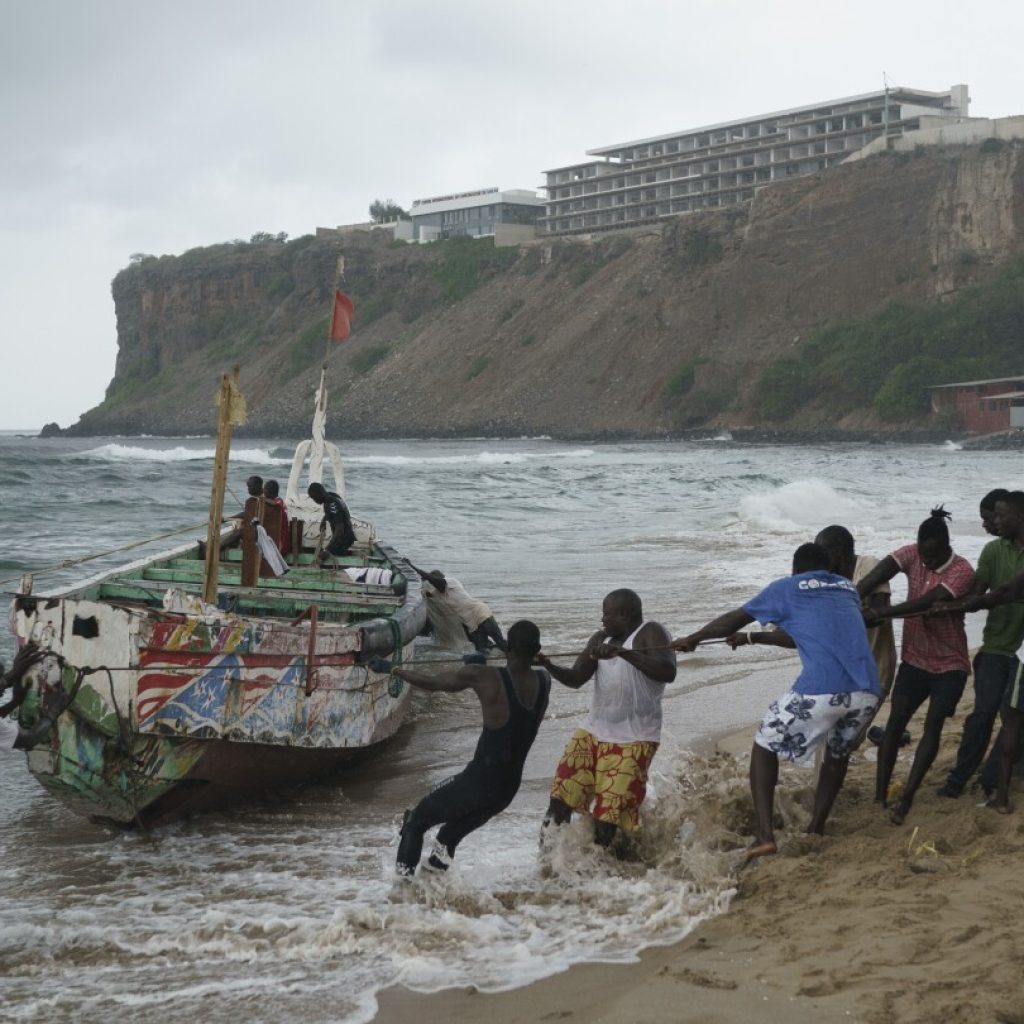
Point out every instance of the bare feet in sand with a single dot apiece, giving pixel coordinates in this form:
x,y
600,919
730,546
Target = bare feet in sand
x,y
761,849
899,813
999,808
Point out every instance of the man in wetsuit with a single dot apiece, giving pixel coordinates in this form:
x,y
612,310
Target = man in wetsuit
x,y
336,514
513,701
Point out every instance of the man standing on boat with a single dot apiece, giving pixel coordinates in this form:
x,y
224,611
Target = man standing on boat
x,y
604,767
513,700
336,514
11,736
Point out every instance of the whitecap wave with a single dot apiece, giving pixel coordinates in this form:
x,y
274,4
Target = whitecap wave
x,y
484,458
136,453
797,506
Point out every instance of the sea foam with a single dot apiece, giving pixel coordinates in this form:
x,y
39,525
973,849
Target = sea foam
x,y
135,453
795,507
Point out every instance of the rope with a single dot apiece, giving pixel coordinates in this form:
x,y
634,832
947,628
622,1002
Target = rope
x,y
274,661
70,563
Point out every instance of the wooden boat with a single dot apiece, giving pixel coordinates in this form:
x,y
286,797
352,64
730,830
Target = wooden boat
x,y
187,703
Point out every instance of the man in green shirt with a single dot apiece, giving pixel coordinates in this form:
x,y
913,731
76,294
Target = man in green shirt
x,y
996,664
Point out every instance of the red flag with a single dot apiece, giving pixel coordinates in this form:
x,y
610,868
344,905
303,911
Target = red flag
x,y
341,321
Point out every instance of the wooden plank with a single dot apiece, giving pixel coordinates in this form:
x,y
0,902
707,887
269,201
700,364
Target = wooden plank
x,y
311,582
220,473
298,599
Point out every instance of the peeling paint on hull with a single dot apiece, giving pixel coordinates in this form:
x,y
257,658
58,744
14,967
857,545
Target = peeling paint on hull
x,y
180,711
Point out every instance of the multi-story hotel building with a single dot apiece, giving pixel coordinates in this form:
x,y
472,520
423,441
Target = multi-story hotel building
x,y
478,214
722,164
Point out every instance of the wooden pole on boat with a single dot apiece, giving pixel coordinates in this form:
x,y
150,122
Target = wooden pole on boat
x,y
211,567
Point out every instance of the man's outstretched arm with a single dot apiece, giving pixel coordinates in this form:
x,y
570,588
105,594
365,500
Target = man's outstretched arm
x,y
583,669
444,682
725,625
886,569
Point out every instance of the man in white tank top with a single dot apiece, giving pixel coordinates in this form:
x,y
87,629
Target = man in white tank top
x,y
604,767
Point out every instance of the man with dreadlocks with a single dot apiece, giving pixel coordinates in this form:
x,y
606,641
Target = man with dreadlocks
x,y
933,663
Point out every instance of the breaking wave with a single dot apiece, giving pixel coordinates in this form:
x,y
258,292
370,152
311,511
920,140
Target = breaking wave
x,y
135,453
470,458
797,506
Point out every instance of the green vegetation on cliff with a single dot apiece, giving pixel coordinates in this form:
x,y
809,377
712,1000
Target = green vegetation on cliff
x,y
830,303
888,360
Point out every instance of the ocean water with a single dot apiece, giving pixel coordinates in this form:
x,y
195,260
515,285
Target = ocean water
x,y
291,907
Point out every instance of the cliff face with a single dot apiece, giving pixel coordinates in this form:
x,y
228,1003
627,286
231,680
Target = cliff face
x,y
644,334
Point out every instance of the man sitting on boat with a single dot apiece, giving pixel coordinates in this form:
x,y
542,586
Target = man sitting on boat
x,y
337,515
11,736
513,701
271,491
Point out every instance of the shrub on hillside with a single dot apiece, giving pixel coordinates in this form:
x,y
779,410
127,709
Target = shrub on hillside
x,y
363,362
782,389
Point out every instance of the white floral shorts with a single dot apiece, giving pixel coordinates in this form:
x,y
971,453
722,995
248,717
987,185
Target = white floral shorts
x,y
797,723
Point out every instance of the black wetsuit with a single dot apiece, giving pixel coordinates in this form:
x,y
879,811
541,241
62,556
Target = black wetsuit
x,y
485,787
336,513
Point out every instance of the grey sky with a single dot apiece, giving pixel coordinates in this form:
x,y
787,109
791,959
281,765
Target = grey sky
x,y
159,126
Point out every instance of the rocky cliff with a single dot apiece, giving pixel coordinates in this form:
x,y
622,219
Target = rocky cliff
x,y
645,333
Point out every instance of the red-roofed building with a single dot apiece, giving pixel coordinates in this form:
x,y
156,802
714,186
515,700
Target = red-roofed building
x,y
983,406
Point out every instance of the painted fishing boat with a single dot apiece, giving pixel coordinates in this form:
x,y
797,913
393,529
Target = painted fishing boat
x,y
203,677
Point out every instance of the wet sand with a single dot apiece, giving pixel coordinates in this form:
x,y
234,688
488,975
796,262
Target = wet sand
x,y
874,922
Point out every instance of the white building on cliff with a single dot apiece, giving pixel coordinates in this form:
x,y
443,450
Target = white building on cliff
x,y
722,164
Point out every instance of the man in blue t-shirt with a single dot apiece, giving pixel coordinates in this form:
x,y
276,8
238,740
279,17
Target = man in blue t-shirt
x,y
818,613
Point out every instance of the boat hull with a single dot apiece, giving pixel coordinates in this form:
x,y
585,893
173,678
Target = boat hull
x,y
183,706
158,779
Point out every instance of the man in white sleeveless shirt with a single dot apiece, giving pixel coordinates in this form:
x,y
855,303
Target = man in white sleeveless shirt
x,y
604,767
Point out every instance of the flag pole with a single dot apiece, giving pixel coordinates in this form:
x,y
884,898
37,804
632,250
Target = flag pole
x,y
341,309
339,273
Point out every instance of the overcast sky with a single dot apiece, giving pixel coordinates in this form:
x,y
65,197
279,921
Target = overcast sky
x,y
158,125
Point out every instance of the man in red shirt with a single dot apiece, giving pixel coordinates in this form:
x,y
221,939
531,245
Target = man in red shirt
x,y
271,491
934,662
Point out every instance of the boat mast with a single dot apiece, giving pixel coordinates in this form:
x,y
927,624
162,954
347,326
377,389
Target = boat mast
x,y
319,432
334,333
230,410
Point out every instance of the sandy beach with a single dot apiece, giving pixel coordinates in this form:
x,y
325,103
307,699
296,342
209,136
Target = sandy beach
x,y
873,922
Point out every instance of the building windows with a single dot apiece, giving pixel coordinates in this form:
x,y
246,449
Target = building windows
x,y
730,159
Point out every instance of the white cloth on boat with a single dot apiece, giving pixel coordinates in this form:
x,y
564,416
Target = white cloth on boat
x,y
191,604
8,734
371,574
270,552
626,706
